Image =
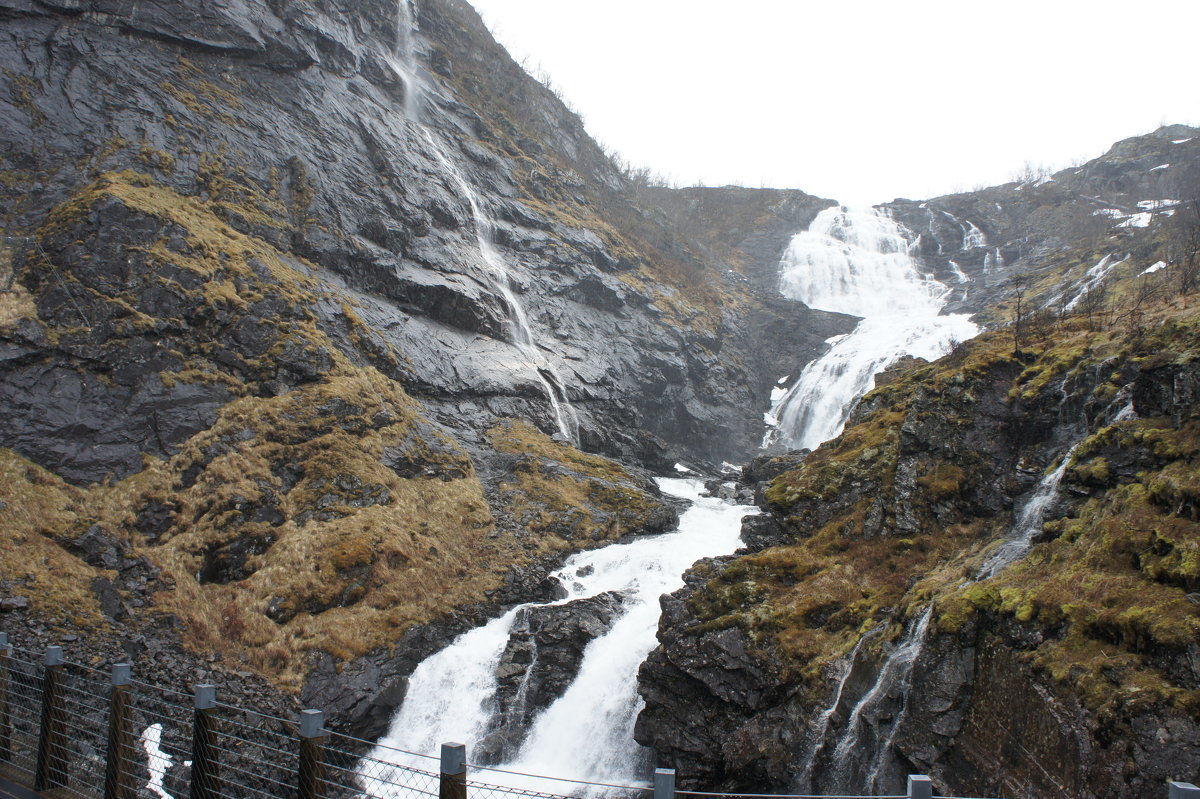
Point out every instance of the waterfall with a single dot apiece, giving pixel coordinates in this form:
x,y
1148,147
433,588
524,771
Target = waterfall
x,y
857,262
861,759
868,723
495,270
817,741
1029,521
499,280
587,733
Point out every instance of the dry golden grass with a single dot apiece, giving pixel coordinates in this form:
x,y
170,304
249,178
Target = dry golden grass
x,y
37,506
16,304
352,553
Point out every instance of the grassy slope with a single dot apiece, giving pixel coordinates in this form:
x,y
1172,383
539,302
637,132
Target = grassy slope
x,y
353,551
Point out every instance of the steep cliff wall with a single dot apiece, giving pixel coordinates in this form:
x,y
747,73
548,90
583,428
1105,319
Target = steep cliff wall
x,y
277,279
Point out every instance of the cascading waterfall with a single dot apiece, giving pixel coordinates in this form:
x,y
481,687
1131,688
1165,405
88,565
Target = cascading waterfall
x,y
587,733
820,729
1029,521
499,279
857,262
895,678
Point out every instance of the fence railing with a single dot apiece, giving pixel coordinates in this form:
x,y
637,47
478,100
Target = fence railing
x,y
80,732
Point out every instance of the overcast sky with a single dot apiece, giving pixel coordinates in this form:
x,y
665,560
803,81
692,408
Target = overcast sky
x,y
860,100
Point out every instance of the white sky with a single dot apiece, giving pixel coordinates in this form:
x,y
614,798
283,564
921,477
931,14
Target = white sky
x,y
860,100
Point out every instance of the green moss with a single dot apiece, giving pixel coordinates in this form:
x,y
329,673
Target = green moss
x,y
1093,472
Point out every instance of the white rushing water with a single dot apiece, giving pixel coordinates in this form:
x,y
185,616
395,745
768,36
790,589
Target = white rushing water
x,y
1029,521
587,733
857,261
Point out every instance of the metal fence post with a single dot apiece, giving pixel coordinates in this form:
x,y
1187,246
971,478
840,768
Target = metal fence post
x,y
919,787
664,783
52,737
119,766
5,722
453,784
311,779
1183,790
206,771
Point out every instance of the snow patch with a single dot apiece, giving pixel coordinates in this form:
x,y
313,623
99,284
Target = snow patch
x,y
1137,220
1154,268
1156,205
157,761
1160,166
1180,141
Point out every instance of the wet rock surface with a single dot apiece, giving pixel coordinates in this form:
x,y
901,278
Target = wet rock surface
x,y
541,659
378,219
986,709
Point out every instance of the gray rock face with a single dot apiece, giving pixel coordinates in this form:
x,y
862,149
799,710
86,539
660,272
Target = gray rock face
x,y
995,234
542,658
291,121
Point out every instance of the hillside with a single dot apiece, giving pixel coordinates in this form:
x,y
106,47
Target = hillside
x,y
878,624
327,334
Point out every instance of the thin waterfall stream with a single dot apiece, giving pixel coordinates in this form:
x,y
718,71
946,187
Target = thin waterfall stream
x,y
499,278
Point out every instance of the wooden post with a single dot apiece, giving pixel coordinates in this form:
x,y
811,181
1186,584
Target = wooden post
x,y
206,771
5,721
664,783
1183,790
52,738
453,784
311,780
119,782
919,787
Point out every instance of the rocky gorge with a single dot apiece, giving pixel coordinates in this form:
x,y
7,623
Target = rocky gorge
x,y
328,334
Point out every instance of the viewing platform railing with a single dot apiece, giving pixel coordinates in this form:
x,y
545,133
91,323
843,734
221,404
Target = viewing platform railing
x,y
70,730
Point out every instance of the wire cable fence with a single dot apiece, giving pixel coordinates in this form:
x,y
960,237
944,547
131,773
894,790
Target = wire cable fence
x,y
81,715
87,734
257,752
23,717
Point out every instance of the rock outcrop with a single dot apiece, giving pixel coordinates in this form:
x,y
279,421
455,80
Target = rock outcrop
x,y
1073,669
542,658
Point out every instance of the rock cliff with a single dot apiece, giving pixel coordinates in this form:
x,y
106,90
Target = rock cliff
x,y
865,633
295,297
